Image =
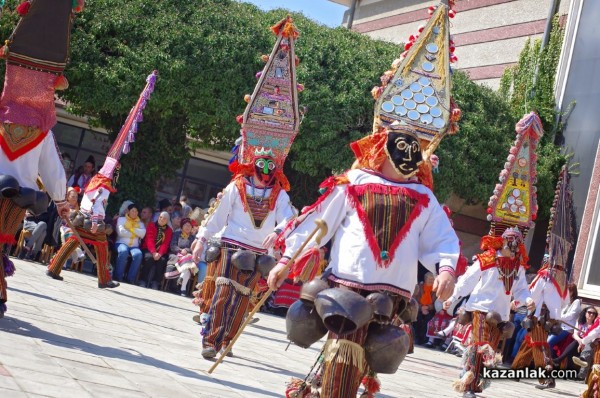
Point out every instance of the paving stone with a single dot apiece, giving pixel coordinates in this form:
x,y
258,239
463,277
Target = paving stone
x,y
71,339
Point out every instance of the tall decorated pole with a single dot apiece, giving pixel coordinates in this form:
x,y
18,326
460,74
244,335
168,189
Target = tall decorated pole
x,y
126,136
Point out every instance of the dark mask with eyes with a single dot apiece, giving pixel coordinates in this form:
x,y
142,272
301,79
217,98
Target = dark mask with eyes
x,y
264,169
404,150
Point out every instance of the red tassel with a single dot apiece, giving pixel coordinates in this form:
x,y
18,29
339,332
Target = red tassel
x,y
23,8
4,51
307,265
61,83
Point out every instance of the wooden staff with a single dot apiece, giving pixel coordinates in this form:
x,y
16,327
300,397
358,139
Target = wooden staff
x,y
321,228
81,242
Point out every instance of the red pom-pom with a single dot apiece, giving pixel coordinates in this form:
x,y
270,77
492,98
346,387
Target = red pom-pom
x,y
239,119
61,83
407,46
79,6
412,38
23,8
534,217
421,27
451,13
489,210
453,58
452,48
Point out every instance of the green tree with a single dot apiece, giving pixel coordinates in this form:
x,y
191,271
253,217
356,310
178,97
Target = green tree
x,y
529,85
207,54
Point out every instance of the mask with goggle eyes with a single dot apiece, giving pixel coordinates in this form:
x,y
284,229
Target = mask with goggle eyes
x,y
404,150
512,241
264,168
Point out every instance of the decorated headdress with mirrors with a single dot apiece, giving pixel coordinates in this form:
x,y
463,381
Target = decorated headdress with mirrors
x,y
513,205
415,94
121,145
272,119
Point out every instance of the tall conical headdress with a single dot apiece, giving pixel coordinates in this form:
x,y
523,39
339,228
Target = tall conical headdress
x,y
415,93
125,137
560,236
271,120
514,202
36,54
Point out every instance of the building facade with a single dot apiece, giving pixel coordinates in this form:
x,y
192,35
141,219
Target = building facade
x,y
201,177
489,34
578,96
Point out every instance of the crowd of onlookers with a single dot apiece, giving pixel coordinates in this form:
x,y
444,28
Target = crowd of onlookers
x,y
149,247
570,339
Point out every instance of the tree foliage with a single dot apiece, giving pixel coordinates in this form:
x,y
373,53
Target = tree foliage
x,y
207,54
528,86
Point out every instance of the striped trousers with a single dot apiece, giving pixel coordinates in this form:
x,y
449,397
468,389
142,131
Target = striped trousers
x,y
100,244
208,286
535,347
229,305
344,364
483,334
593,378
11,216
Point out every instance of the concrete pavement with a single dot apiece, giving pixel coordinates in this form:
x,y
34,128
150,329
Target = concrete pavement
x,y
71,339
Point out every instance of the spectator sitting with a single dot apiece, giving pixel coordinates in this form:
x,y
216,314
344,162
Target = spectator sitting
x,y
156,247
33,244
569,315
130,231
176,221
163,205
146,215
588,320
84,174
186,209
180,261
437,325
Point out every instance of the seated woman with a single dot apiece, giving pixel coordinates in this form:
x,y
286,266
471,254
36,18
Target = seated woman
x,y
568,315
130,231
588,319
156,248
181,256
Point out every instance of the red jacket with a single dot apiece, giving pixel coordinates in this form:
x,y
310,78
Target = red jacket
x,y
149,242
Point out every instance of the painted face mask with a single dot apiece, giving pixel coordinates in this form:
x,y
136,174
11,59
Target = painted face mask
x,y
512,238
404,150
264,168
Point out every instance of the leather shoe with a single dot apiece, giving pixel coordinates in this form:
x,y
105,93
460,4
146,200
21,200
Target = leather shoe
x,y
546,384
109,285
209,352
54,276
229,354
577,361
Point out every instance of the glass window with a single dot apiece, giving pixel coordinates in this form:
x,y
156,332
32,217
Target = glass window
x,y
96,142
168,187
196,192
212,173
68,135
